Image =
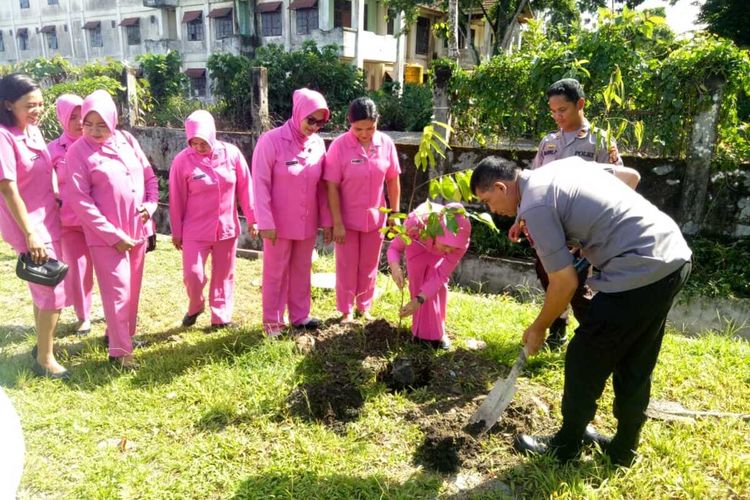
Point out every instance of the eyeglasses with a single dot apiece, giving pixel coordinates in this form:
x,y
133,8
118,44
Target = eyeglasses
x,y
313,122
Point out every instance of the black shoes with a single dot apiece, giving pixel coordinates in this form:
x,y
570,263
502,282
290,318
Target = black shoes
x,y
190,319
620,449
43,372
137,343
309,324
444,343
555,447
557,338
218,326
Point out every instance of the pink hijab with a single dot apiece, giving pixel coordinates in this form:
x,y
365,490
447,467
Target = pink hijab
x,y
304,103
201,124
101,102
64,107
459,239
418,218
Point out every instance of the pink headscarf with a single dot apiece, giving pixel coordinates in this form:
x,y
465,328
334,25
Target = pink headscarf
x,y
201,124
418,219
101,102
64,107
459,239
304,103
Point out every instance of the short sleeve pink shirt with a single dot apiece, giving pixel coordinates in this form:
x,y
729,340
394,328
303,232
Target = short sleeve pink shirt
x,y
24,159
360,175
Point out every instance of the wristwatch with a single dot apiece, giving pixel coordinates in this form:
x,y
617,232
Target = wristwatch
x,y
420,299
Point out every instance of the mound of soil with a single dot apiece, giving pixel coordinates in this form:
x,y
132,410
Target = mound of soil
x,y
346,357
329,402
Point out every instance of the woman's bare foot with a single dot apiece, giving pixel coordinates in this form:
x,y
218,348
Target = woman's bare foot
x,y
347,318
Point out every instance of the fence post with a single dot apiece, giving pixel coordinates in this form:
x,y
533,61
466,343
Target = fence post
x,y
131,107
694,196
259,100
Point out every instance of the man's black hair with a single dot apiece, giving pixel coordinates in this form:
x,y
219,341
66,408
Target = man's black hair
x,y
491,170
567,87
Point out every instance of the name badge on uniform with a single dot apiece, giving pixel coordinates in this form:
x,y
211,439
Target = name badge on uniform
x,y
291,162
358,161
585,154
199,176
549,149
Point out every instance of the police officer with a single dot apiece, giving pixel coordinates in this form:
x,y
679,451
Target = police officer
x,y
642,261
574,137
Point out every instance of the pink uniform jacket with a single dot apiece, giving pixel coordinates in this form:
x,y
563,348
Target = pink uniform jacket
x,y
287,168
204,190
109,183
24,159
425,249
360,178
58,148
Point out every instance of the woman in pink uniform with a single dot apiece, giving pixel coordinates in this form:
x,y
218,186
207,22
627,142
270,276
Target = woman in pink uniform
x,y
29,216
357,165
114,193
429,265
79,282
207,181
289,201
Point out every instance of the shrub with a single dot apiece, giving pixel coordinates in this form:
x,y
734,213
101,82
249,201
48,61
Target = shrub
x,y
317,69
410,111
164,75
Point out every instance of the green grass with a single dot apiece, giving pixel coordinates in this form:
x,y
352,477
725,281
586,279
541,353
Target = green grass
x,y
207,414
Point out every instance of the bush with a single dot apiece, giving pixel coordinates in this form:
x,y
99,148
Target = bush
x,y
410,111
164,75
663,82
49,125
311,67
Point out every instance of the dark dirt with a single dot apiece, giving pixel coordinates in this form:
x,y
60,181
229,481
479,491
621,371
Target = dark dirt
x,y
444,385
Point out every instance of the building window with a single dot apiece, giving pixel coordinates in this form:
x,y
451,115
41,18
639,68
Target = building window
x,y
307,20
134,34
224,26
52,39
423,36
24,4
197,77
132,27
195,30
271,22
193,19
23,38
342,14
53,2
390,25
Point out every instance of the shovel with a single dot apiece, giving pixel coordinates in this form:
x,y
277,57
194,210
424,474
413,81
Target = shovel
x,y
499,397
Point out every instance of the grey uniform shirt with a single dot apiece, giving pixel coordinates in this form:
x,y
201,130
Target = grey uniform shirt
x,y
588,143
622,234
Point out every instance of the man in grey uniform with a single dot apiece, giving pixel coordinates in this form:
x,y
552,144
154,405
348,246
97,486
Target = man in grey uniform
x,y
574,137
642,261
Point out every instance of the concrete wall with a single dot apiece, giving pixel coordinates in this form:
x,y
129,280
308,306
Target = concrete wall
x,y
728,212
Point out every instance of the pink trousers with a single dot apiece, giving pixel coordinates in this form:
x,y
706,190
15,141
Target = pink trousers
x,y
357,269
221,290
429,321
79,282
119,276
286,281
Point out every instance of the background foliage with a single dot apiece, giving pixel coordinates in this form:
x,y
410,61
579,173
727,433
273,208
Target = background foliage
x,y
664,81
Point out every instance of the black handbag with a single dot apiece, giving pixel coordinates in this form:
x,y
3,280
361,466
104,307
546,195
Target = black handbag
x,y
151,243
51,273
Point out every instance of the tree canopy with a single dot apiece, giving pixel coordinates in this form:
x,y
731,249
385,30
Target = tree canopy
x,y
728,18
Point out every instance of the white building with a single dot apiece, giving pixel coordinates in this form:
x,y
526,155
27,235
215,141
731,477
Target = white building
x,y
86,30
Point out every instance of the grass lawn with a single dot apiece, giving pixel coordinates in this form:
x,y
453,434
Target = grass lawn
x,y
231,414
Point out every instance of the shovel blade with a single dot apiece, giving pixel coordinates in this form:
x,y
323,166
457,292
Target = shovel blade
x,y
499,397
